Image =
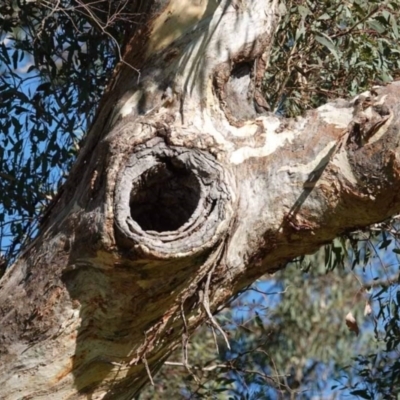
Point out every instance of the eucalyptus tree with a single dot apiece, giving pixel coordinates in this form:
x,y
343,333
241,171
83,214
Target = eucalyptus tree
x,y
186,189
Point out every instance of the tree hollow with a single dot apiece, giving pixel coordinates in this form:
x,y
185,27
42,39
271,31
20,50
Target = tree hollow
x,y
164,197
172,201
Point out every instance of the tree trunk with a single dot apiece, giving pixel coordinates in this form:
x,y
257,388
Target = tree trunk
x,y
186,191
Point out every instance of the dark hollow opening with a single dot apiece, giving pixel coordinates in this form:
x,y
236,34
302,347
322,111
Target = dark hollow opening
x,y
164,197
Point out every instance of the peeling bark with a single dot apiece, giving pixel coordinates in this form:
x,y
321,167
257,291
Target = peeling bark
x,y
184,178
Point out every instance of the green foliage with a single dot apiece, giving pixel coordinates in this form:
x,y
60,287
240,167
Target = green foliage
x,y
55,63
329,49
288,333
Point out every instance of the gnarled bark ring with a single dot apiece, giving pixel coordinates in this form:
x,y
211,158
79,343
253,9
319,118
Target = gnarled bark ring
x,y
172,201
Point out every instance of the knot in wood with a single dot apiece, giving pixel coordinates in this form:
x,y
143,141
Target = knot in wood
x,y
172,201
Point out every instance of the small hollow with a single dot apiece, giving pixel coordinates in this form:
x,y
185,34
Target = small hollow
x,y
165,196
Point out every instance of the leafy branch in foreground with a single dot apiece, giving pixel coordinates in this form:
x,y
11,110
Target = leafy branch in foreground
x,y
56,60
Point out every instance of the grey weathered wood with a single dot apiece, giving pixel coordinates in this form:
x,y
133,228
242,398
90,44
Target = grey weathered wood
x,y
171,201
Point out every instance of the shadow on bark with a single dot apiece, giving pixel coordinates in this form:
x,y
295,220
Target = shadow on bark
x,y
172,206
